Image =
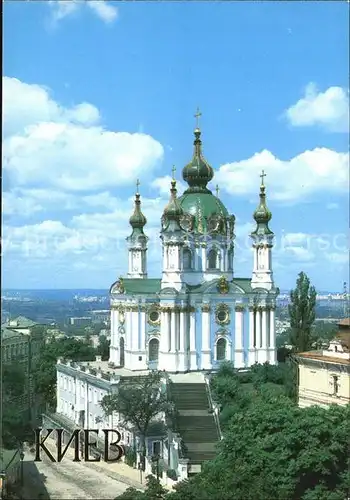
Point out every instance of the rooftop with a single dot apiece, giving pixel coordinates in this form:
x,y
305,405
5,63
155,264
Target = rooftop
x,y
20,322
322,356
344,322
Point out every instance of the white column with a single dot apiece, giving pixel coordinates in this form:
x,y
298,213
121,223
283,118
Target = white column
x,y
239,325
257,334
142,345
130,261
182,355
135,330
272,336
164,340
206,353
204,259
255,251
172,331
251,349
263,351
193,354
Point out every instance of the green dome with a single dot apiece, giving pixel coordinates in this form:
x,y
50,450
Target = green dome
x,y
137,220
204,213
197,173
173,210
262,214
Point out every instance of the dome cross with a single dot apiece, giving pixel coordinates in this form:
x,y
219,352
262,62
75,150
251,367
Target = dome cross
x,y
197,116
262,175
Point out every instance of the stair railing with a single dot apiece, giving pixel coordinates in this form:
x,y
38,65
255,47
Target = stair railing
x,y
213,406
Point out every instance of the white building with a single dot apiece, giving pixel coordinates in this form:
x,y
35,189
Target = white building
x,y
198,312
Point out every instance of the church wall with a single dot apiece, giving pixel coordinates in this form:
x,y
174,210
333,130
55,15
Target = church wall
x,y
198,334
246,335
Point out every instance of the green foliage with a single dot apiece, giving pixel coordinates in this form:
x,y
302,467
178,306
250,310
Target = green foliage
x,y
171,473
45,371
302,313
154,491
277,450
15,424
138,402
130,456
103,347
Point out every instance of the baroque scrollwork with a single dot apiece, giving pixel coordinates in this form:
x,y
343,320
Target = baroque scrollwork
x,y
154,314
119,286
223,285
222,314
205,307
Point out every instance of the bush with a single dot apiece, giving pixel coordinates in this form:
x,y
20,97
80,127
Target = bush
x,y
172,474
130,457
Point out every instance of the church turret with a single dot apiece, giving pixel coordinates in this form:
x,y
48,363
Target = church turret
x,y
197,173
262,238
172,240
137,241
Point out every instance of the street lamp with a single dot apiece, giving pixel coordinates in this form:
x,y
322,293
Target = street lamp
x,y
21,456
155,459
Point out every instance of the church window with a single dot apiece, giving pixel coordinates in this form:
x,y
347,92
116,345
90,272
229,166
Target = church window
x,y
221,349
154,317
213,259
335,379
187,259
153,347
230,259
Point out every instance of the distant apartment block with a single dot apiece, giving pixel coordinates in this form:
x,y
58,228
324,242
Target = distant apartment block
x,y
101,316
21,343
80,321
324,375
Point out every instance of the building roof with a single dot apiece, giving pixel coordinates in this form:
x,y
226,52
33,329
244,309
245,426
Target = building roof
x,y
7,458
152,286
8,333
20,322
344,322
320,356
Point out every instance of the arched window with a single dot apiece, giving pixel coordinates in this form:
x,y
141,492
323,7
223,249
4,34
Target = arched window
x,y
121,351
187,259
213,259
221,349
153,350
230,259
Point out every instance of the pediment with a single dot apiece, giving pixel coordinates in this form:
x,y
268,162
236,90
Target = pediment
x,y
168,291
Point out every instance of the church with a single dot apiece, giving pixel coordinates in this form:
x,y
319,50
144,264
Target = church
x,y
198,313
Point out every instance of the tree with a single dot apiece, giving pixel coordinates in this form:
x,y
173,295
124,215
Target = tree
x,y
139,402
154,491
302,313
15,423
44,374
103,347
277,450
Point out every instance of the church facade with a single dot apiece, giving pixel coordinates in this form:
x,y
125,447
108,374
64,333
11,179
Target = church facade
x,y
197,313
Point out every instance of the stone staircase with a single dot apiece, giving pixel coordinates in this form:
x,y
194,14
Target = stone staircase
x,y
194,423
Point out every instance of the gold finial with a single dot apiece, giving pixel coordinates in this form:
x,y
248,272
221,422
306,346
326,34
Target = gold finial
x,y
197,116
173,170
137,186
262,175
217,189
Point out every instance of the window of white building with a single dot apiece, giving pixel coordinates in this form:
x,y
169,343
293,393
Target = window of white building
x,y
187,259
213,259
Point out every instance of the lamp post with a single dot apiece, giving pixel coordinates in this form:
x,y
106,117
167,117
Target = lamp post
x,y
21,456
155,460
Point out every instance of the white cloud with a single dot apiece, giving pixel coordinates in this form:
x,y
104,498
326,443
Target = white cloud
x,y
328,109
332,206
318,170
66,148
102,8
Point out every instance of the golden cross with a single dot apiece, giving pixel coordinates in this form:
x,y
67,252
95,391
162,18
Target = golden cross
x,y
173,170
197,116
217,190
137,185
262,175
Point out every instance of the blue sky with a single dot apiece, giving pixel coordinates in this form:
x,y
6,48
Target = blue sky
x,y
97,94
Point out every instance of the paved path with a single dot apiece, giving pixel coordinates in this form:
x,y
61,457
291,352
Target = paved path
x,y
67,480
